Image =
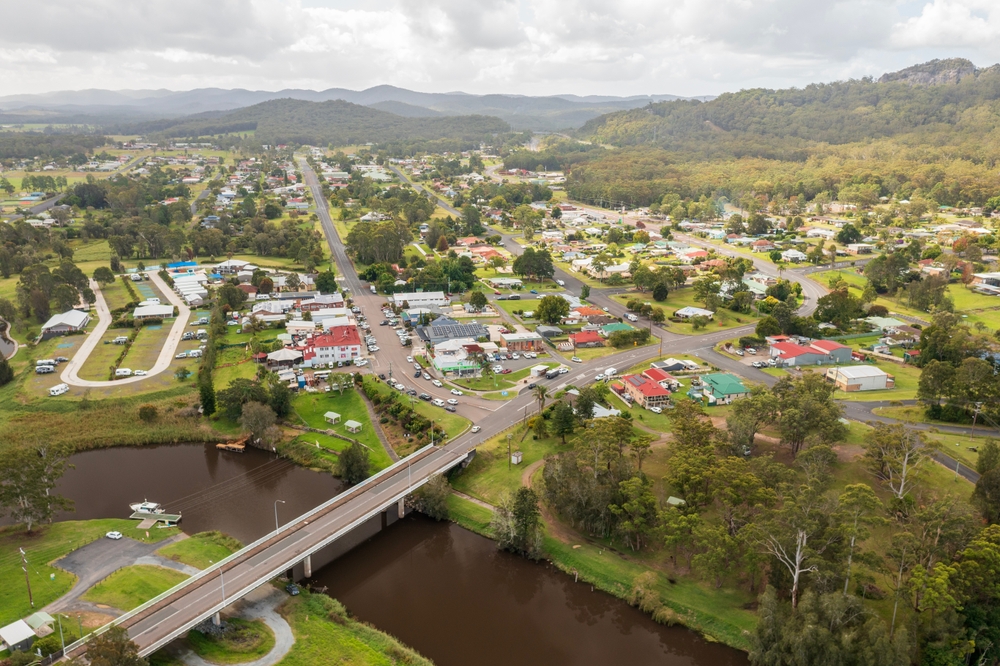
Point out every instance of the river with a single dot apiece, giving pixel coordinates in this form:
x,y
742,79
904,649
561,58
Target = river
x,y
439,588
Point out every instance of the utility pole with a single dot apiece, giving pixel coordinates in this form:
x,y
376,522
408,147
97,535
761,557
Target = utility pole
x,y
24,565
508,451
979,406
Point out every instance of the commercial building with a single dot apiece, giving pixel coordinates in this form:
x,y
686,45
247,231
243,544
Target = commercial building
x,y
340,343
322,302
522,341
860,378
817,352
66,322
421,299
445,328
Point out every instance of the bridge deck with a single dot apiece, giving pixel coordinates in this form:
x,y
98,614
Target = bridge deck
x,y
159,621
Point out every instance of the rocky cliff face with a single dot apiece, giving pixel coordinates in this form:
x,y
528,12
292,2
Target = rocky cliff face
x,y
935,72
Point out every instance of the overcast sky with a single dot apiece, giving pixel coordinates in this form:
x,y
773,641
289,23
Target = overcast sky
x,y
617,47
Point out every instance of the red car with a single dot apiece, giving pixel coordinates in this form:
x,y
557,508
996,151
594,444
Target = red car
x,y
506,371
496,292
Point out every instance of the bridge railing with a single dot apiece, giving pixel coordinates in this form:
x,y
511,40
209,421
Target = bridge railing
x,y
204,573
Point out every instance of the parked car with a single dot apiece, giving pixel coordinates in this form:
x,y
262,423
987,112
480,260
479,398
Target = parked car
x,y
437,402
514,356
751,350
563,370
61,359
656,410
416,374
411,391
738,352
532,385
506,371
381,376
449,408
292,589
139,373
599,378
425,396
114,535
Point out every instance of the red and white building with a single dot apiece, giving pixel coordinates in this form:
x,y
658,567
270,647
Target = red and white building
x,y
340,343
645,392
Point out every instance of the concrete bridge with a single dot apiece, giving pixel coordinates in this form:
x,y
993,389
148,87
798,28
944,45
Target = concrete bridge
x,y
312,539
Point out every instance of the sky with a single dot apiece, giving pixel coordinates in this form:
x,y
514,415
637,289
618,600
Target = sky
x,y
531,47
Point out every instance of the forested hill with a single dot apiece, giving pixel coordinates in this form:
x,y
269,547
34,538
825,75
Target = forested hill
x,y
333,122
937,96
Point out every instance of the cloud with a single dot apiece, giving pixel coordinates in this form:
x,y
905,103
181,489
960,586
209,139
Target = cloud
x,y
514,46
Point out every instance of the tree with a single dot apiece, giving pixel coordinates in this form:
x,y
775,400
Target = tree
x,y
478,300
354,463
231,295
989,453
238,393
280,398
767,327
858,508
28,477
182,374
431,499
516,523
563,421
585,291
747,417
796,534
894,455
114,648
256,418
637,510
807,411
585,404
849,234
986,496
206,395
326,282
552,309
103,275
540,392
6,372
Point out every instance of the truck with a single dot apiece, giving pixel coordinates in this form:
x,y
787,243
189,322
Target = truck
x,y
552,374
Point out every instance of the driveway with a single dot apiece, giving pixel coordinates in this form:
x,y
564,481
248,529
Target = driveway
x,y
96,561
70,374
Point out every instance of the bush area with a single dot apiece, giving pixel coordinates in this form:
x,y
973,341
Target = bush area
x,y
241,641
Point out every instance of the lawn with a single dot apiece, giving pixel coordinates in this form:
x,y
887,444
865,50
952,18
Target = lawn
x,y
244,640
857,283
490,475
502,381
133,586
907,379
98,365
115,295
146,347
326,634
201,550
43,547
680,298
310,408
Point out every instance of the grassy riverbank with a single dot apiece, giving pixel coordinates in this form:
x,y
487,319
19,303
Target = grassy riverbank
x,y
133,586
202,549
243,641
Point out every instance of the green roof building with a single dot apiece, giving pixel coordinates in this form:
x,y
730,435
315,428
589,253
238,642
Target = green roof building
x,y
722,388
608,329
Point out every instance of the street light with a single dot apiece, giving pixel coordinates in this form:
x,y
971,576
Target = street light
x,y
223,579
276,528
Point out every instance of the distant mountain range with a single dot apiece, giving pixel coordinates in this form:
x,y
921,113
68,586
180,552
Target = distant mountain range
x,y
522,112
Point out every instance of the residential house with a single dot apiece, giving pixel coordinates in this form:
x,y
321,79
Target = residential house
x,y
153,312
793,256
663,378
690,311
645,392
722,388
585,339
816,352
617,327
761,245
860,248
321,302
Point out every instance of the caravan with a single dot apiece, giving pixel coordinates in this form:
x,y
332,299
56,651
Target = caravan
x,y
59,389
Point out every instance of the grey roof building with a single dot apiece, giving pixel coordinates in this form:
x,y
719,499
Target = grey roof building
x,y
445,328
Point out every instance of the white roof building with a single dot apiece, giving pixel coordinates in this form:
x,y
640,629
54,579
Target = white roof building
x,y
71,320
421,299
155,311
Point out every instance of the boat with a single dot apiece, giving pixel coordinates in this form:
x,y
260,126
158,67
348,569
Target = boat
x,y
146,507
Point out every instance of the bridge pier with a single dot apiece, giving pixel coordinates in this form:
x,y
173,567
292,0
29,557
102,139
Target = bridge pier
x,y
307,565
401,507
216,620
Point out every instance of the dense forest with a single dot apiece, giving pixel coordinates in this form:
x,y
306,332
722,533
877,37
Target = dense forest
x,y
335,122
27,145
929,131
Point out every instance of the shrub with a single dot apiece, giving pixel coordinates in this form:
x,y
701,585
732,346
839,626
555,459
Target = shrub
x,y
148,413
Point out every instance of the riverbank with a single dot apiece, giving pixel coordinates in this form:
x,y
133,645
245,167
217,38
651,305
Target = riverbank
x,y
716,614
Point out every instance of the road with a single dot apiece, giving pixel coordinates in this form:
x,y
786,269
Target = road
x,y
70,374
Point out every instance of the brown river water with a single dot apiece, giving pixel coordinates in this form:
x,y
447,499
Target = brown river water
x,y
439,588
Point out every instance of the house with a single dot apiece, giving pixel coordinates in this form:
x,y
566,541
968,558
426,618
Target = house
x,y
248,289
664,379
691,256
66,322
860,248
549,331
790,353
762,245
838,353
421,299
689,311
17,636
504,282
617,327
645,392
722,388
794,256
586,339
321,302
522,341
675,365
339,343
153,312
827,234
860,378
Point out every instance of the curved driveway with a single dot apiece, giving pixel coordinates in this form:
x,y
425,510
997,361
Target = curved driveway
x,y
70,375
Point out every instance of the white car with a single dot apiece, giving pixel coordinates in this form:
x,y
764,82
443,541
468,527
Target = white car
x,y
114,535
360,362
476,428
599,378
497,369
563,370
605,309
452,401
438,402
561,283
515,356
409,359
656,410
139,373
182,355
456,392
426,376
577,359
738,352
437,383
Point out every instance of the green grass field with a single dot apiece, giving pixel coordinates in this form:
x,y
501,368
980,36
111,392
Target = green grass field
x,y
244,640
502,382
146,347
680,298
133,586
201,550
310,408
43,547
